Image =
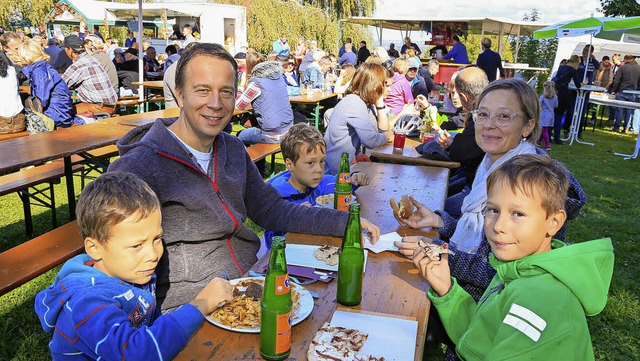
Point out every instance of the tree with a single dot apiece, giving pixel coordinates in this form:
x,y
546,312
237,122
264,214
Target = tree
x,y
34,11
535,52
344,8
268,19
620,7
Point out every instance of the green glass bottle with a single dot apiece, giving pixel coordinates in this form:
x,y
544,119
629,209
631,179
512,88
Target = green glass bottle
x,y
275,315
351,263
342,194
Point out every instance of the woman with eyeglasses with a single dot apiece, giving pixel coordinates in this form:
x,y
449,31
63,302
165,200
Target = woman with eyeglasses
x,y
507,123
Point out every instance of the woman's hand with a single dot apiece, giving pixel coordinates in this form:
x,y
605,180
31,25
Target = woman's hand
x,y
373,230
444,139
422,217
422,101
437,273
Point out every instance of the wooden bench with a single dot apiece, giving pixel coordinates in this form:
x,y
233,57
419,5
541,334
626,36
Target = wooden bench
x,y
98,160
29,260
260,151
24,182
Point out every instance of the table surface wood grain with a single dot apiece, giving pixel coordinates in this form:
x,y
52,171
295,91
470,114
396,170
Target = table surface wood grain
x,y
391,285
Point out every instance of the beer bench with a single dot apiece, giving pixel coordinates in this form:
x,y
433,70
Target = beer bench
x,y
25,183
29,260
260,151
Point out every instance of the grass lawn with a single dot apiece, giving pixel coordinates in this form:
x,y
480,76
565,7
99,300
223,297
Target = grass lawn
x,y
611,183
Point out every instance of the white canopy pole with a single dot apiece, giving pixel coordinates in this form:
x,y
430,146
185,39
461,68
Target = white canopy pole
x,y
500,35
140,52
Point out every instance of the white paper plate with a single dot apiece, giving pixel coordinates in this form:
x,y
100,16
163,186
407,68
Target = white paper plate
x,y
302,255
306,306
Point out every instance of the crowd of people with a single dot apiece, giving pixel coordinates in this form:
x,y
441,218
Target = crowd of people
x,y
167,222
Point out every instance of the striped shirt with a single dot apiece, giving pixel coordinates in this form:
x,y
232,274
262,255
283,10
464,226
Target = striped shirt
x,y
90,80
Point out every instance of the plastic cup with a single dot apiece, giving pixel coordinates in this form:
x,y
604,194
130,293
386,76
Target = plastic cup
x,y
398,142
428,137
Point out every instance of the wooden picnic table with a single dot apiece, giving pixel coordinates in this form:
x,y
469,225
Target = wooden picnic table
x,y
24,133
409,155
62,143
151,84
313,99
392,284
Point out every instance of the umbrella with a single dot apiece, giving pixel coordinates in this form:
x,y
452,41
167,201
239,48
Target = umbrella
x,y
612,28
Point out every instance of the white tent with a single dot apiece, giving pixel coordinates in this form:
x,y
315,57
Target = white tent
x,y
574,45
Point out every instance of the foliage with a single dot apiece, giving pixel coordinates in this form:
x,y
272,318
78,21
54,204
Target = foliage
x,y
620,7
535,52
340,9
268,19
35,11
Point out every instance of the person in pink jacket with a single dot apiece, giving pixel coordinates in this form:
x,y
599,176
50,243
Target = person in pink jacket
x,y
400,92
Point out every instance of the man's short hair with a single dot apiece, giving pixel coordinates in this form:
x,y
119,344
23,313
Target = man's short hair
x,y
109,200
95,39
52,42
629,57
456,37
486,43
536,176
471,81
194,50
325,60
605,58
7,36
301,138
170,49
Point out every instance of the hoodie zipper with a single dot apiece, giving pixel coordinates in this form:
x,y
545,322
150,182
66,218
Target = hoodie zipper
x,y
497,289
214,183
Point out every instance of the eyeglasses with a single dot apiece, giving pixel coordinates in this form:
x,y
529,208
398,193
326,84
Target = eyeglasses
x,y
502,119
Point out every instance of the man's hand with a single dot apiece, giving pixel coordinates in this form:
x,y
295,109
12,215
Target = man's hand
x,y
360,179
437,273
422,217
373,230
408,245
215,294
422,101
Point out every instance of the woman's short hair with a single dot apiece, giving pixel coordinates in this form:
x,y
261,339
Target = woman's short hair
x,y
30,52
318,54
369,82
410,53
382,53
400,66
527,98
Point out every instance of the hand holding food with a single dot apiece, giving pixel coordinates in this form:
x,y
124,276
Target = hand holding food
x,y
421,217
436,272
402,209
215,294
444,139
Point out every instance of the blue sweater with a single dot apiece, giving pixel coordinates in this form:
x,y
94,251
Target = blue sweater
x,y
97,316
289,193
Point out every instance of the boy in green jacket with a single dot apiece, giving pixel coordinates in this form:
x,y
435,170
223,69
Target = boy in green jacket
x,y
536,304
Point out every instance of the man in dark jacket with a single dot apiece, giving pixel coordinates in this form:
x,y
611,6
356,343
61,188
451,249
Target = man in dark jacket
x,y
363,52
626,79
208,185
490,61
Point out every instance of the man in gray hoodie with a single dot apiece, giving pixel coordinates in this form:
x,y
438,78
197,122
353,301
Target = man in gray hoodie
x,y
208,185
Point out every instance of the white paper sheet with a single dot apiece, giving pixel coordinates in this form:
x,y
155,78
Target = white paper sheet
x,y
385,243
389,337
302,255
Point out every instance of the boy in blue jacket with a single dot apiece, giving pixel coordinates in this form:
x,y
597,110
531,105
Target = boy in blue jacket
x,y
536,305
102,304
304,153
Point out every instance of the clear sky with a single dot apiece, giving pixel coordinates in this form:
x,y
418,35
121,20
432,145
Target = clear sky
x,y
552,11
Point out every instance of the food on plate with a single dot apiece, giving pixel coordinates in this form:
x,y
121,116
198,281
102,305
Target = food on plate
x,y
338,343
244,310
402,209
433,251
325,200
328,254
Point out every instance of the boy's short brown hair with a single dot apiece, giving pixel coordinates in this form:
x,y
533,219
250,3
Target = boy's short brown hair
x,y
301,135
109,200
529,173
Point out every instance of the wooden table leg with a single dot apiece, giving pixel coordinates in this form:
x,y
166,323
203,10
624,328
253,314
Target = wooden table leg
x,y
71,193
